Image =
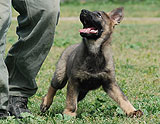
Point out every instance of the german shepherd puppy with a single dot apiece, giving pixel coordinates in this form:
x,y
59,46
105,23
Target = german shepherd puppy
x,y
89,65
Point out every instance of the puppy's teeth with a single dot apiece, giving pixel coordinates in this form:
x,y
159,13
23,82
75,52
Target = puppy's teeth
x,y
94,31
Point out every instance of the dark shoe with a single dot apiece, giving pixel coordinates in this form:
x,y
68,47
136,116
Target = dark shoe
x,y
3,114
17,106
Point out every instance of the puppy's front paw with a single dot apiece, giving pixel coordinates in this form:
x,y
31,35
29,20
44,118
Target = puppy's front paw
x,y
137,113
45,104
43,108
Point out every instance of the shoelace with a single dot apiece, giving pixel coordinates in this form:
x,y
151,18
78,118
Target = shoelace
x,y
21,102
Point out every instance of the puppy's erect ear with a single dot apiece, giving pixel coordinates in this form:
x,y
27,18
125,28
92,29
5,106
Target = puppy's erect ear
x,y
116,15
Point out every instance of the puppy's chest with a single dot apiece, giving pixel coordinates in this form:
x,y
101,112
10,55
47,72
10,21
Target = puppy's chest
x,y
92,67
92,72
94,64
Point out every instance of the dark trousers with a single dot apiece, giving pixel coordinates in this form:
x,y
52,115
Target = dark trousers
x,y
36,26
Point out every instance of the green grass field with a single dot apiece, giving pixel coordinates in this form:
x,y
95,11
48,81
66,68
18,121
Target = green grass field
x,y
136,46
131,10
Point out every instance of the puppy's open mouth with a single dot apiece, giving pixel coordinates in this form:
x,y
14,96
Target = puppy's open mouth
x,y
88,26
91,30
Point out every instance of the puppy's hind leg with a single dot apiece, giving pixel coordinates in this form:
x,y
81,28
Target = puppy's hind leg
x,y
72,96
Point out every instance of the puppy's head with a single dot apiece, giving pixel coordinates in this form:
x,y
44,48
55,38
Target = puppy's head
x,y
97,23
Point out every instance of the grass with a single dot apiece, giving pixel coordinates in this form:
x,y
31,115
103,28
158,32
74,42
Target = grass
x,y
131,10
140,9
136,47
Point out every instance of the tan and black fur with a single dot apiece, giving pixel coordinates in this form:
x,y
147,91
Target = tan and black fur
x,y
89,65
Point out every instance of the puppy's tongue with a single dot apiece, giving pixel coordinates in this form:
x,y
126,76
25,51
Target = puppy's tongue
x,y
88,30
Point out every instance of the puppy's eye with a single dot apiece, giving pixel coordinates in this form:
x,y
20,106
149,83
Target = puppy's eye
x,y
99,15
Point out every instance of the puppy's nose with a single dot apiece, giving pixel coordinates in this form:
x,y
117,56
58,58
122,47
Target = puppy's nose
x,y
84,11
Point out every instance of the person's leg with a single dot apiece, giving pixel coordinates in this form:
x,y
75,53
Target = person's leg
x,y
5,19
36,26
